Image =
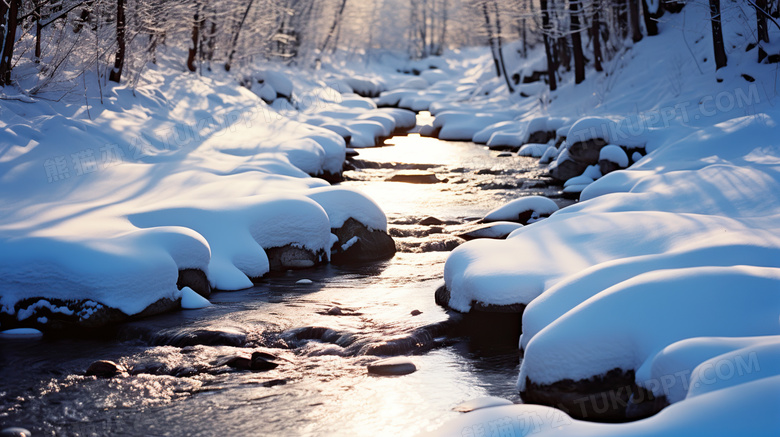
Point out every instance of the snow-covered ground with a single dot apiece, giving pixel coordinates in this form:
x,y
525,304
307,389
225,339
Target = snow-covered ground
x,y
106,202
667,271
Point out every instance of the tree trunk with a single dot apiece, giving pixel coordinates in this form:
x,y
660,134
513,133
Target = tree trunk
x,y
443,34
336,21
37,31
564,53
651,18
636,32
596,31
195,42
549,51
576,42
762,32
491,41
9,11
717,35
119,60
501,50
234,43
621,17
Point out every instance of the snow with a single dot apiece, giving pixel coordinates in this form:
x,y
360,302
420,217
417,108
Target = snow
x,y
715,413
614,154
458,125
533,149
21,333
540,205
191,300
110,206
341,204
480,403
623,325
678,369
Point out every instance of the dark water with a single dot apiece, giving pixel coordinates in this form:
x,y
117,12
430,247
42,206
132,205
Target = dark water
x,y
321,386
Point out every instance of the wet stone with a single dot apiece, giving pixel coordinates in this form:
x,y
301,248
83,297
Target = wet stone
x,y
15,431
392,367
104,369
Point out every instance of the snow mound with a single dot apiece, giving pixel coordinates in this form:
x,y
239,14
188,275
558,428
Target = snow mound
x,y
712,413
613,153
610,330
191,300
533,206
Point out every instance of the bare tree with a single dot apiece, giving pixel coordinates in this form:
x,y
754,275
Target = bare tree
x,y
717,35
119,60
9,14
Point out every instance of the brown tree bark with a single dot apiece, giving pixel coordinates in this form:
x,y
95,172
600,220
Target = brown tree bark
x,y
636,32
491,40
500,49
549,50
119,60
237,33
717,35
596,31
576,42
9,11
195,40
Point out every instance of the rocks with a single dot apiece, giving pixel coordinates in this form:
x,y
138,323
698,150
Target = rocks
x,y
292,257
541,137
587,151
104,369
488,326
258,362
392,367
371,245
335,311
15,431
82,316
420,340
195,279
564,169
431,221
602,398
200,336
414,177
415,313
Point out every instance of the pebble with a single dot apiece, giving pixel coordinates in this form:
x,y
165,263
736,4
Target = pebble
x,y
15,431
392,366
416,312
104,369
304,281
335,311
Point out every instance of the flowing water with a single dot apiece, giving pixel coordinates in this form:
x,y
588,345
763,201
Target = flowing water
x,y
324,332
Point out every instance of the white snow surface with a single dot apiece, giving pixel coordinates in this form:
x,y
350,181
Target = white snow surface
x,y
109,205
540,205
670,265
717,413
613,153
191,300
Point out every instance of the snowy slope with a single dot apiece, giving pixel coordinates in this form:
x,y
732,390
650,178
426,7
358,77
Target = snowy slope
x,y
107,204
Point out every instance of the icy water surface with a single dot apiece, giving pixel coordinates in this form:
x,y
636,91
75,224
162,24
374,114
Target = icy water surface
x,y
177,383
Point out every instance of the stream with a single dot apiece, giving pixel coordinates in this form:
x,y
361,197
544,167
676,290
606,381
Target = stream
x,y
323,332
